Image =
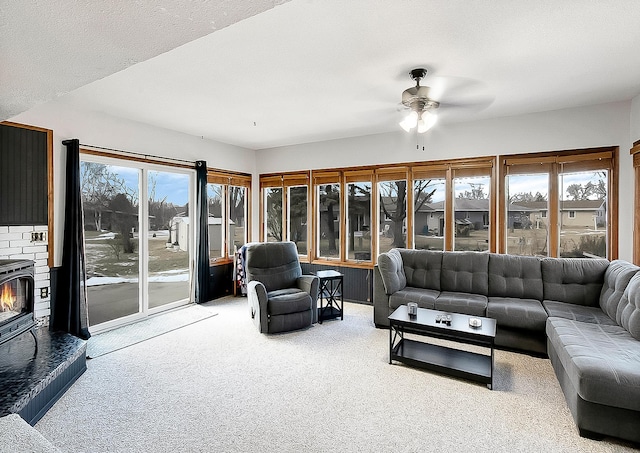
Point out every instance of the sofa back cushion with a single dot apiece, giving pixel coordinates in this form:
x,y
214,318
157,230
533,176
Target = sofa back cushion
x,y
422,268
515,276
628,314
465,272
573,280
392,271
616,279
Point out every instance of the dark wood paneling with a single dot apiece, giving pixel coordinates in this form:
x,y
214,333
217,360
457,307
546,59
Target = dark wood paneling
x,y
357,282
23,176
221,280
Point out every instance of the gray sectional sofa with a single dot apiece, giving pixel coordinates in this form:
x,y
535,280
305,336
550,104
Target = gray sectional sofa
x,y
583,313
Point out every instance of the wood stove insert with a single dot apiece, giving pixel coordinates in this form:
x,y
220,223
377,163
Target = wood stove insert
x,y
16,298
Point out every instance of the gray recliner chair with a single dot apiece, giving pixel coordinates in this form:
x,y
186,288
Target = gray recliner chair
x,y
280,297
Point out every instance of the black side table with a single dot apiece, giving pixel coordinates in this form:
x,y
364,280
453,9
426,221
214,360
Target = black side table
x,y
331,303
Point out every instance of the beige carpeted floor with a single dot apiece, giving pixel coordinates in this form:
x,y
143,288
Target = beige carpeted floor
x,y
220,386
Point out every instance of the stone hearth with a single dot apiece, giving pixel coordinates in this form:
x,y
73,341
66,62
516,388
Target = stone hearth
x,y
33,377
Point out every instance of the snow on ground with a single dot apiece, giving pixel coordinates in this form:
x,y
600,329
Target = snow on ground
x,y
178,275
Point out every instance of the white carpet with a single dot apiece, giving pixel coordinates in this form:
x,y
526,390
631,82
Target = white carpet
x,y
125,336
16,435
220,386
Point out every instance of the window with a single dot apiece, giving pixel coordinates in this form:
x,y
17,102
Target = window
x,y
215,194
285,206
228,213
237,218
297,225
472,205
582,231
358,198
527,205
429,213
392,208
328,214
414,208
273,214
570,196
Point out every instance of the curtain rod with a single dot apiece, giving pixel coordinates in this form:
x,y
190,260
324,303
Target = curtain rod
x,y
145,156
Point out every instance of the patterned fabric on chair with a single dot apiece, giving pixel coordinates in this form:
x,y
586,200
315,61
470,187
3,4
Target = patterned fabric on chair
x,y
280,297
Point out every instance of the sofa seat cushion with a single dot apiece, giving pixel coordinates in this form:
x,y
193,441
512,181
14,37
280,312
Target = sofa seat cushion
x,y
467,303
575,312
288,300
425,298
525,314
600,361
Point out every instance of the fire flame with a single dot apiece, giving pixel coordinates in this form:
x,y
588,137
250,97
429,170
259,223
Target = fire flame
x,y
7,298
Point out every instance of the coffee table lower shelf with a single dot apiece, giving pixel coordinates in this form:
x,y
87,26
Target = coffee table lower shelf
x,y
453,362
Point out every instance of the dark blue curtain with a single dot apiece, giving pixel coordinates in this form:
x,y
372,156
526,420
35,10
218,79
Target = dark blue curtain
x,y
69,310
203,289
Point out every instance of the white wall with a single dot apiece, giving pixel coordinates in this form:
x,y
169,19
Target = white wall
x,y
584,127
95,128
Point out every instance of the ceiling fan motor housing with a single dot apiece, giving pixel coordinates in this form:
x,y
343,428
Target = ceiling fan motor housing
x,y
417,98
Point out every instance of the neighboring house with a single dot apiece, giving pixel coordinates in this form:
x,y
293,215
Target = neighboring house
x,y
179,232
583,214
469,214
590,214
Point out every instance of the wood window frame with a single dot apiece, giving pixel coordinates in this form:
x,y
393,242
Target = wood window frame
x,y
284,181
323,177
471,169
556,163
298,179
635,152
350,177
226,179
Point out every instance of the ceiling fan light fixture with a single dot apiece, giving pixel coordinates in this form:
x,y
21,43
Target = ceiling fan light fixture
x,y
410,121
417,99
426,122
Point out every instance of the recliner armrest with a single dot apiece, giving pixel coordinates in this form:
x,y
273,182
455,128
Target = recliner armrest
x,y
310,284
257,298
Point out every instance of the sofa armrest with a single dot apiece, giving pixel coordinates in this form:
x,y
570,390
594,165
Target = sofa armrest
x,y
257,298
310,284
380,300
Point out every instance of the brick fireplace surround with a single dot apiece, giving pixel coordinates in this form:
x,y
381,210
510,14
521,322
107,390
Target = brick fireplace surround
x,y
36,370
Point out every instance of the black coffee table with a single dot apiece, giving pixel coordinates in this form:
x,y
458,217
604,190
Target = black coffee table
x,y
447,360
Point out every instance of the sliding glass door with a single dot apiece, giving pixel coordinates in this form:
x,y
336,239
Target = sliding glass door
x,y
137,254
110,195
169,237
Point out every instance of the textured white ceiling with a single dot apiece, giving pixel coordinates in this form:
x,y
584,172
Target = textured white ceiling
x,y
50,47
310,70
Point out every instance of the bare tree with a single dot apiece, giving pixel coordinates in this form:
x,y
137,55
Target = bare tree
x,y
393,201
99,186
476,192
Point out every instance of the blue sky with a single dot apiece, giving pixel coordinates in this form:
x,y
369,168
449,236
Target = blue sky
x,y
172,186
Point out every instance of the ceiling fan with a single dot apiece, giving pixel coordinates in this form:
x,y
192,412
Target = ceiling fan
x,y
421,107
